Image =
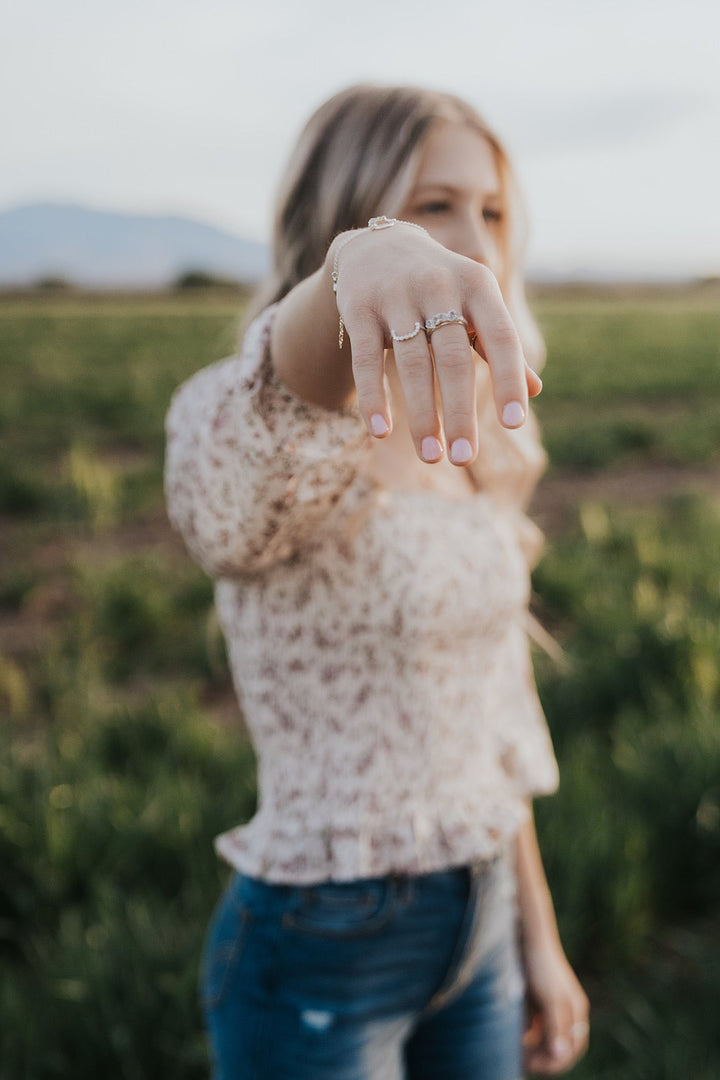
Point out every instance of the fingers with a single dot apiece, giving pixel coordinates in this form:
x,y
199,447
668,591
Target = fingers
x,y
557,1037
579,1033
455,370
533,380
558,1020
512,380
555,1059
579,1038
368,350
444,359
446,356
414,364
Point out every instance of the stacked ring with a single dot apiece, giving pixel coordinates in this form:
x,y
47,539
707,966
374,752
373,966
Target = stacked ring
x,y
443,318
407,337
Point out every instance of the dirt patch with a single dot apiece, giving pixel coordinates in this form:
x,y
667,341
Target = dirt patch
x,y
52,600
559,495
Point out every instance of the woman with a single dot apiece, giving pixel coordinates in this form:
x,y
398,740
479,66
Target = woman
x,y
354,482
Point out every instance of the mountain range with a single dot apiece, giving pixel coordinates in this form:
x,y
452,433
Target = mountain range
x,y
105,249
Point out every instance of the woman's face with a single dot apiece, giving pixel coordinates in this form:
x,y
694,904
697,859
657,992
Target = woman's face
x,y
456,194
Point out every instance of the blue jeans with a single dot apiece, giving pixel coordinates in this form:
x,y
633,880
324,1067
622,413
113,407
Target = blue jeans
x,y
392,978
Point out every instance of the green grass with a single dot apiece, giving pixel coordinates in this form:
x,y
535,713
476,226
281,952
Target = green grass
x,y
631,381
122,756
109,878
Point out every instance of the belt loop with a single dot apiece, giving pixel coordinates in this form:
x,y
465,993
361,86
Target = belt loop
x,y
402,887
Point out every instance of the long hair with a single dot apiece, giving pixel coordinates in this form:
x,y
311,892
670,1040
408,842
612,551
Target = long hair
x,y
356,158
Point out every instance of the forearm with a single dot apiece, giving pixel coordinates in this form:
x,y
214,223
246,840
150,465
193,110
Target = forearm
x,y
558,1007
304,343
537,914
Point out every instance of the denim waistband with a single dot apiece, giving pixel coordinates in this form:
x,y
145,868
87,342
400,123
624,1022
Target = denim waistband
x,y
273,895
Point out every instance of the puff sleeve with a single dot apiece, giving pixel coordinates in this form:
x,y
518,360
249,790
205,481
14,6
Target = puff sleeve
x,y
251,471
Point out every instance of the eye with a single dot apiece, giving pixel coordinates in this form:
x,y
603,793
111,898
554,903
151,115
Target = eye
x,y
491,214
434,206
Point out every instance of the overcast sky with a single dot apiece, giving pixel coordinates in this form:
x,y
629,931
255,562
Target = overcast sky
x,y
611,108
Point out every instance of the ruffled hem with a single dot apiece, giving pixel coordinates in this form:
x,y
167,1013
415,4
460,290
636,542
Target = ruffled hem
x,y
415,845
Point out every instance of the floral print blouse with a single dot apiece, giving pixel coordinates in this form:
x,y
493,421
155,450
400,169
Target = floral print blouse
x,y
377,638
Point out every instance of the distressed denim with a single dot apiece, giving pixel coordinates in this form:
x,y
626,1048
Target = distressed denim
x,y
392,978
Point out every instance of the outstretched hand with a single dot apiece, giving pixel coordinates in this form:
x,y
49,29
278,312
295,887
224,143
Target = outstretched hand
x,y
389,281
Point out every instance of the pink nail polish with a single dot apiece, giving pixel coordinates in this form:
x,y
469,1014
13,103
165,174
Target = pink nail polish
x,y
513,414
431,448
378,424
461,452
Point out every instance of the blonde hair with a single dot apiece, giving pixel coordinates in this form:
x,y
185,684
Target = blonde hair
x,y
355,159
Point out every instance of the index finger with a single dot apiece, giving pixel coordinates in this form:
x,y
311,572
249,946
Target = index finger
x,y
501,346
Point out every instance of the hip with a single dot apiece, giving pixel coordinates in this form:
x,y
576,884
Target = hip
x,y
375,946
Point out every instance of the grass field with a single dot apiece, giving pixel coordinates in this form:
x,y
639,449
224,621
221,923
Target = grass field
x,y
122,751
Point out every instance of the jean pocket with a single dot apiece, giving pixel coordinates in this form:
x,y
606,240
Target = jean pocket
x,y
223,949
341,909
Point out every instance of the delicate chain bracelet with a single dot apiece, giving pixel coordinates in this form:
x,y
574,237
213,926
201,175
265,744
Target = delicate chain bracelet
x,y
373,225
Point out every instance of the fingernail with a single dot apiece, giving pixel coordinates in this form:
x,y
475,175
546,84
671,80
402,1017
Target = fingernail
x,y
461,452
560,1047
431,448
378,424
513,414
